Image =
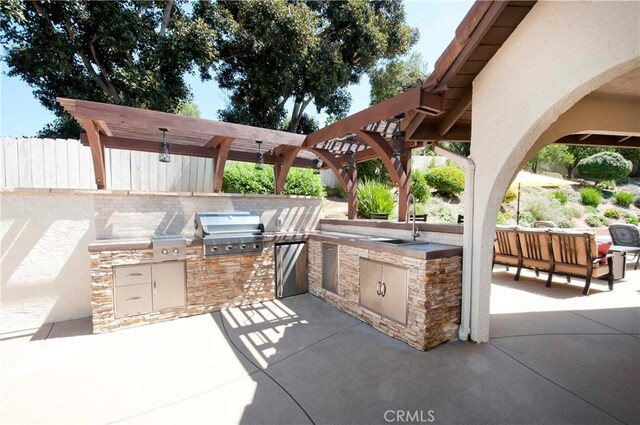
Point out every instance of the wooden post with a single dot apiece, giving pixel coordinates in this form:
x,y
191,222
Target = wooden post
x,y
352,190
405,187
97,152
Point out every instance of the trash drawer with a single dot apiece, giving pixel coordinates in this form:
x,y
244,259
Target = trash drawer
x,y
132,275
133,299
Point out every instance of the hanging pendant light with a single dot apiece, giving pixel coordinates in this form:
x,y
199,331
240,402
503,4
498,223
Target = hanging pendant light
x,y
351,160
398,137
317,164
163,155
259,156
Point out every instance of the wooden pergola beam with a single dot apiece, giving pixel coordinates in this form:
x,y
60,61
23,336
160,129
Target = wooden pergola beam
x,y
190,150
97,152
455,113
429,131
217,140
412,99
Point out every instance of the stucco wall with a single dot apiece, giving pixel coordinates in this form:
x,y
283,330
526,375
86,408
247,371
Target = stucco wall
x,y
558,54
45,265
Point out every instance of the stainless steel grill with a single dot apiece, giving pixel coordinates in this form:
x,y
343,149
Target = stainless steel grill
x,y
229,233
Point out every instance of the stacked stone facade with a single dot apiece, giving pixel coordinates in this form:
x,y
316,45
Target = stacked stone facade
x,y
434,293
212,284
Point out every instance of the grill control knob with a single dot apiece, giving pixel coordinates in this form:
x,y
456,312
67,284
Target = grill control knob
x,y
256,246
243,246
176,251
229,247
164,251
214,248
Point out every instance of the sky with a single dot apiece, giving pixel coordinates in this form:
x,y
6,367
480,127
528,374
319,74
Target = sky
x,y
22,115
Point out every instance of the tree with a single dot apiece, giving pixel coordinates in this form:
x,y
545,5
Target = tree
x,y
552,154
126,52
396,76
274,51
579,153
605,166
187,108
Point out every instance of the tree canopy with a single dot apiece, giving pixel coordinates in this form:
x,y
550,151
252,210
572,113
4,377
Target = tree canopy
x,y
127,52
395,76
273,52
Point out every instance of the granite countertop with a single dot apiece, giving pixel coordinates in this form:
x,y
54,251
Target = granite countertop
x,y
419,250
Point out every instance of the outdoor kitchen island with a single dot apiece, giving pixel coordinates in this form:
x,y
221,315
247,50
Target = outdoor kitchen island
x,y
411,291
408,290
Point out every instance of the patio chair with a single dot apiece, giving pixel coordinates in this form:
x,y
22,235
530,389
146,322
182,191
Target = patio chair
x,y
535,246
544,224
419,217
506,250
626,235
576,254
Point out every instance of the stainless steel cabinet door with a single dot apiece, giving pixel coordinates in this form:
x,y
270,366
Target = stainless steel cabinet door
x,y
394,293
370,283
330,267
291,270
169,282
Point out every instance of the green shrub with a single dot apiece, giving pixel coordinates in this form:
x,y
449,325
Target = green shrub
x,y
637,202
419,186
420,209
374,169
612,213
591,210
605,166
624,199
597,221
561,196
526,219
374,197
545,208
566,224
510,196
243,177
441,213
302,181
606,185
590,196
571,211
631,219
446,180
502,218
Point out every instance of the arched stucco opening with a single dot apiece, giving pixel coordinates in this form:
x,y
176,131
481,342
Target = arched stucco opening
x,y
527,97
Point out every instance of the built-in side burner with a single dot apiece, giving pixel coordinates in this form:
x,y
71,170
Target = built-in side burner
x,y
169,247
229,233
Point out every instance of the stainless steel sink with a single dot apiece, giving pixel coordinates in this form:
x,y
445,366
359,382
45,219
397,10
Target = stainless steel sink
x,y
396,241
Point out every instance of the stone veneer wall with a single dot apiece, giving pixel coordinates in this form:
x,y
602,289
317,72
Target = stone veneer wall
x,y
434,294
212,284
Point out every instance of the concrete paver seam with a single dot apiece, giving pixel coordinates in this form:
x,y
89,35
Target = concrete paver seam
x,y
556,384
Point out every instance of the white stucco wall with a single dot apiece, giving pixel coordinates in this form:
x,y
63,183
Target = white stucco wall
x,y
558,54
45,263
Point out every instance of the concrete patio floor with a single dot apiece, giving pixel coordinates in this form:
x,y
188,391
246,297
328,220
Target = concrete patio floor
x,y
555,357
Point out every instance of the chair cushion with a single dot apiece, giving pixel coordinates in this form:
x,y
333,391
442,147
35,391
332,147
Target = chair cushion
x,y
603,250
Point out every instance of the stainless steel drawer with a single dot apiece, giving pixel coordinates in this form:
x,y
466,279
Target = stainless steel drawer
x,y
132,275
133,299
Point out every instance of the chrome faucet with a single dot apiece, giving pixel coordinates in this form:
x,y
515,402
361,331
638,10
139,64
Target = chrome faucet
x,y
411,199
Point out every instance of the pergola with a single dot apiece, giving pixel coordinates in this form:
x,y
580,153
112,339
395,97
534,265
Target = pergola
x,y
438,110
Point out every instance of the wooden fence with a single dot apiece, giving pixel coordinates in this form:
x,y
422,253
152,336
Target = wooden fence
x,y
66,164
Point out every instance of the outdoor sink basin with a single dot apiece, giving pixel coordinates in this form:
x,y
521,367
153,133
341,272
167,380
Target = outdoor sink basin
x,y
397,241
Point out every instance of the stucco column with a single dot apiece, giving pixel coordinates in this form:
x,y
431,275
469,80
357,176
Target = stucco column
x,y
558,54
